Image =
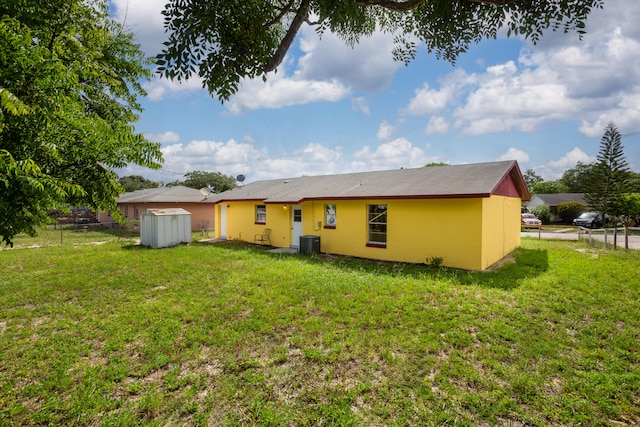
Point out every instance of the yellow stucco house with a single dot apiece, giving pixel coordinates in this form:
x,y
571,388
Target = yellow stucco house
x,y
468,215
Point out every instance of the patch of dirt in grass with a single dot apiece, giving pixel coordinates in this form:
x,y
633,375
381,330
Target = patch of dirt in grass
x,y
39,321
213,368
498,265
93,359
588,251
554,386
511,422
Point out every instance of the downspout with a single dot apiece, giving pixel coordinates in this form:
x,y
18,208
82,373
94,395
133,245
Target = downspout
x,y
313,217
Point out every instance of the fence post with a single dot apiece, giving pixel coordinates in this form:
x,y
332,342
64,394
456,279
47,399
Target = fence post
x,y
626,236
615,237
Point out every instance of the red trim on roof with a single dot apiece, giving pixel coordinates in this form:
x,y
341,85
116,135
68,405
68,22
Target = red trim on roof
x,y
400,197
512,184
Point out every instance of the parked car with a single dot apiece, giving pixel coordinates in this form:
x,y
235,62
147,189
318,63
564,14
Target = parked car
x,y
588,220
530,219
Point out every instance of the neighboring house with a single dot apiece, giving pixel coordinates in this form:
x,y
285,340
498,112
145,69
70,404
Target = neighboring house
x,y
134,203
553,200
468,215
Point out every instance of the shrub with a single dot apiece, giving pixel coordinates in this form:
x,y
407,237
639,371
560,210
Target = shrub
x,y
542,212
434,262
567,211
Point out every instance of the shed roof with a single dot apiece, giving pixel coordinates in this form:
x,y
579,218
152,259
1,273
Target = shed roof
x,y
167,212
470,180
174,194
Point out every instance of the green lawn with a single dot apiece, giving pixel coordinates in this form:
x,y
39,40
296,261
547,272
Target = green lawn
x,y
228,334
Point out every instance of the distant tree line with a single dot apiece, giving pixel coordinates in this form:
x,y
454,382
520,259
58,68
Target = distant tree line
x,y
610,188
574,180
215,181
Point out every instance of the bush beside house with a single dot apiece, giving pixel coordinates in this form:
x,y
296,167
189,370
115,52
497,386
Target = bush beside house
x,y
567,211
542,212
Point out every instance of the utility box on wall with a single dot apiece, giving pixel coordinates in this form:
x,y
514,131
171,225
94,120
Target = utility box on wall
x,y
160,228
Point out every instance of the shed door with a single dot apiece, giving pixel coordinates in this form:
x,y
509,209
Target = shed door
x,y
296,225
223,220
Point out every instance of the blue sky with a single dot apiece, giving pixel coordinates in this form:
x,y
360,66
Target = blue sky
x,y
333,109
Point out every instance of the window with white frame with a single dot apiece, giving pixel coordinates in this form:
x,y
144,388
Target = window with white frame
x,y
377,225
261,214
330,216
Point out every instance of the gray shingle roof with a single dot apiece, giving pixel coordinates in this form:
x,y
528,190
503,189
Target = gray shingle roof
x,y
555,199
472,180
162,195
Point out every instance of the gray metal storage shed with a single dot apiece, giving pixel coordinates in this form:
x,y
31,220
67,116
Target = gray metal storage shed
x,y
160,228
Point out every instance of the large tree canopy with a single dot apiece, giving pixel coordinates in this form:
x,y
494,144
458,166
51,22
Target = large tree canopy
x,y
223,41
69,81
136,182
215,181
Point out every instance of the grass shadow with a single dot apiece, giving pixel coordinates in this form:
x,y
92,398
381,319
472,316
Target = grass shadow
x,y
507,274
522,264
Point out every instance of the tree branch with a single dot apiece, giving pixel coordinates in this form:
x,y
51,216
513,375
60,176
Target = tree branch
x,y
278,56
403,6
286,9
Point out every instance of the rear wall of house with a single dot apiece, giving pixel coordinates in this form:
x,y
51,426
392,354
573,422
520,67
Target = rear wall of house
x,y
418,231
500,228
242,224
468,233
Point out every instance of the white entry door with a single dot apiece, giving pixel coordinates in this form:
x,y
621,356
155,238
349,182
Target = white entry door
x,y
296,225
223,221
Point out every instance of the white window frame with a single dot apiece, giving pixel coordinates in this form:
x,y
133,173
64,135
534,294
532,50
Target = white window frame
x,y
261,214
377,222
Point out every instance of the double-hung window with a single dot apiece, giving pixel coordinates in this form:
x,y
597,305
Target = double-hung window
x,y
377,225
330,216
261,214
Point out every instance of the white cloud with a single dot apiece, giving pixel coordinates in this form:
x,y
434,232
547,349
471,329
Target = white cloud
x,y
437,125
368,66
158,88
233,158
360,104
385,131
163,138
428,101
555,168
280,91
562,78
508,99
626,116
515,154
144,19
389,155
328,71
312,159
229,158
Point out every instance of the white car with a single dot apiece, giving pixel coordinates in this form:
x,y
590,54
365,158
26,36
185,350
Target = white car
x,y
530,219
